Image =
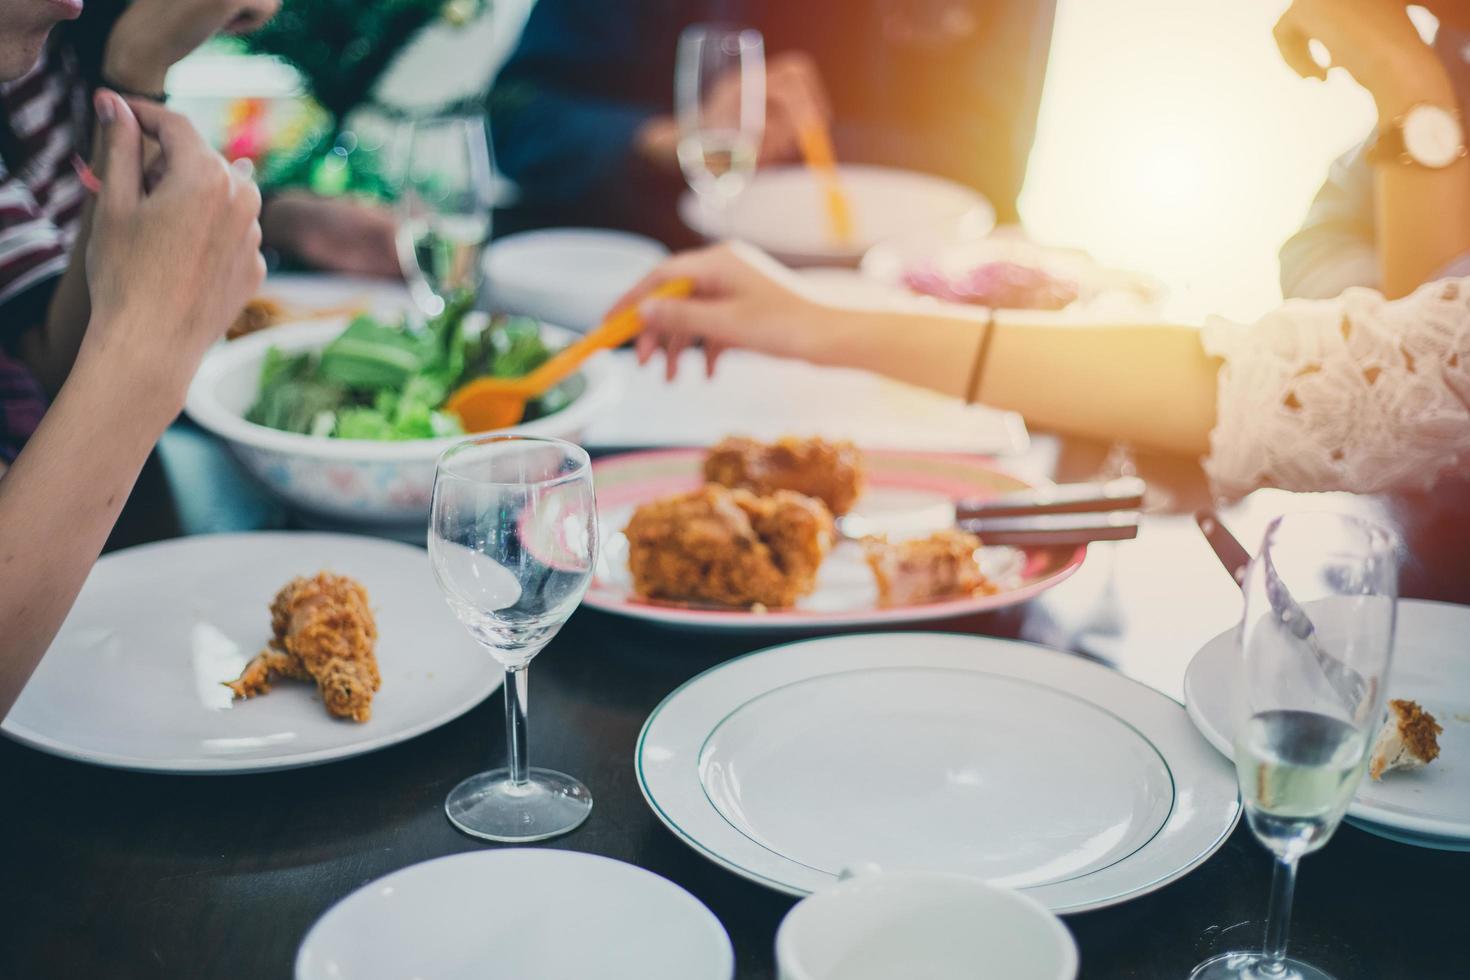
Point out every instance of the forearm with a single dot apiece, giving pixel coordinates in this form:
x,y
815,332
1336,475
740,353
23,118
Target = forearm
x,y
1423,214
1153,385
51,348
60,499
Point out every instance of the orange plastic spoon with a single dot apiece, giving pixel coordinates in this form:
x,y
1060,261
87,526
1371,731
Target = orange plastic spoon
x,y
816,149
497,403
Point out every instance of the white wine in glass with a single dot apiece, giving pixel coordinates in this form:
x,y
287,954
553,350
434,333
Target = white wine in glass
x,y
445,198
1316,642
720,107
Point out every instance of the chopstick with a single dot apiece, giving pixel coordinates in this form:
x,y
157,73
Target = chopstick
x,y
816,150
1123,493
1045,530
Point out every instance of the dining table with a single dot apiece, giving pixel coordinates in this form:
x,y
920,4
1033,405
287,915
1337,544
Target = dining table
x,y
119,874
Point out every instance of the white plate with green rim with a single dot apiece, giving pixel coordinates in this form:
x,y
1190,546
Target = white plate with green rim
x,y
927,751
1427,807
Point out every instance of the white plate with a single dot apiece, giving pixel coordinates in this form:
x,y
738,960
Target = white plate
x,y
311,291
133,679
784,211
1431,665
567,276
531,914
846,594
1104,294
925,751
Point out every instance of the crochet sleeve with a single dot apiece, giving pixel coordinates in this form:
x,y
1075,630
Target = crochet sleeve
x,y
1356,393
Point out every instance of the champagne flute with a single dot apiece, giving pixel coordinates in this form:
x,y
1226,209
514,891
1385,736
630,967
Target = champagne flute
x,y
1319,608
513,541
445,196
720,107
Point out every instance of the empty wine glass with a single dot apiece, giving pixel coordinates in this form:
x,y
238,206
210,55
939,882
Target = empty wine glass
x,y
720,107
445,196
1315,645
513,541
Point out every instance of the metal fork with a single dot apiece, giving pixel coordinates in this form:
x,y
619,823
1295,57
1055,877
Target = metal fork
x,y
1348,683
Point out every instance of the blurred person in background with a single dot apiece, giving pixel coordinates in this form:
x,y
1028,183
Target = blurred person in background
x,y
581,113
169,254
1395,210
1364,391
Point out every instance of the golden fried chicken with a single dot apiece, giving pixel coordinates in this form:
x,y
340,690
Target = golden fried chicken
x,y
1408,739
941,566
324,631
729,547
830,471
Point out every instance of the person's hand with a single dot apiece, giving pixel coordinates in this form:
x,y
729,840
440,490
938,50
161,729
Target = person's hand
x,y
153,35
169,265
739,300
1373,40
795,98
334,233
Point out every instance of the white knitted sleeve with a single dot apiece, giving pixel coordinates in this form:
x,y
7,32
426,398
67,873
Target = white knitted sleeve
x,y
1356,393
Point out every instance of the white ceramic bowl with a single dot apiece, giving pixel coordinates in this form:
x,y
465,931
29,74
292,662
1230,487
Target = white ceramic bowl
x,y
350,481
929,924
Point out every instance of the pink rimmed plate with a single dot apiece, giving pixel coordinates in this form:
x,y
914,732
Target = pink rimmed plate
x,y
846,594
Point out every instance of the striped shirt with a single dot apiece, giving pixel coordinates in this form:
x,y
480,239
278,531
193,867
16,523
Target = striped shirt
x,y
41,202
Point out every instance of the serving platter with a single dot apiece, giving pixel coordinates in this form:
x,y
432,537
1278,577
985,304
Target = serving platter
x,y
135,677
925,751
846,594
1429,807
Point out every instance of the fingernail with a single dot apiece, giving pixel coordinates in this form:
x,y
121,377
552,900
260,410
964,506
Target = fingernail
x,y
106,111
649,309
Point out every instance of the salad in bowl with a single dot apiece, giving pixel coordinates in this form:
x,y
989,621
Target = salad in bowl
x,y
344,420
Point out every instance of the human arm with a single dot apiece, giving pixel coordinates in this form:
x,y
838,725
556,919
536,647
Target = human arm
x,y
167,268
147,40
1358,393
1150,384
1335,247
1422,213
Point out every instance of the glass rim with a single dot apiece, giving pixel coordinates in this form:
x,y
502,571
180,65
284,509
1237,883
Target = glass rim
x,y
747,35
443,465
1379,537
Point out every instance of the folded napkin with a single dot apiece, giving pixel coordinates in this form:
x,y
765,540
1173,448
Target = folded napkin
x,y
768,397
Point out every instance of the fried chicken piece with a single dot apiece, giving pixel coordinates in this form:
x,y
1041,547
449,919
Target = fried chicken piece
x,y
729,547
942,566
1408,740
830,471
324,631
261,673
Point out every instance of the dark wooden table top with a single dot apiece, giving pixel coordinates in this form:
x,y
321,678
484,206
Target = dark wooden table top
x,y
115,874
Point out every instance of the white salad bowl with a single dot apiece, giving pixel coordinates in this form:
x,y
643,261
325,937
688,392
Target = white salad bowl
x,y
351,481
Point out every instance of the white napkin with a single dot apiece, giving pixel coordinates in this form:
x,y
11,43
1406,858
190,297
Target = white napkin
x,y
767,397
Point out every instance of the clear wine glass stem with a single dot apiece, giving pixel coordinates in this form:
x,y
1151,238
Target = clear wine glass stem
x,y
516,696
1278,916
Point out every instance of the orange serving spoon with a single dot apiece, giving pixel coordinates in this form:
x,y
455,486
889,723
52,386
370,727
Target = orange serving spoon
x,y
816,149
497,403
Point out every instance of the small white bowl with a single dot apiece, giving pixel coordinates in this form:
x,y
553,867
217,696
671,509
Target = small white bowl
x,y
569,276
935,925
351,481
